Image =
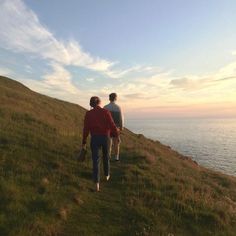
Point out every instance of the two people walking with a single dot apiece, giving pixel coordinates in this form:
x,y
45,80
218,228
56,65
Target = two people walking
x,y
104,126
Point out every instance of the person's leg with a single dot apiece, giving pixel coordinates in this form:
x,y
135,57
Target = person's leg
x,y
95,156
116,142
105,155
110,146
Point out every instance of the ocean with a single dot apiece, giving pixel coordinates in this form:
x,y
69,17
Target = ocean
x,y
210,142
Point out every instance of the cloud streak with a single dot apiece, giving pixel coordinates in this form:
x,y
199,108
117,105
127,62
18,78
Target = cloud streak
x,y
21,31
193,83
60,79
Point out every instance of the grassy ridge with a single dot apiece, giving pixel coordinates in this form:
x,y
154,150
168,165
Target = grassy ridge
x,y
44,191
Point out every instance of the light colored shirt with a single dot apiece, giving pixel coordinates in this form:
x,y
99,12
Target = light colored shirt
x,y
116,114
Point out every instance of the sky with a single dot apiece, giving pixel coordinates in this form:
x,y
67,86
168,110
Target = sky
x,y
163,58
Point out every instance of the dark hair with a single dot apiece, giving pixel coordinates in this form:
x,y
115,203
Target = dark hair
x,y
112,97
94,101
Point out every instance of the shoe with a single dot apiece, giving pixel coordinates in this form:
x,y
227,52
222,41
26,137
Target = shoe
x,y
107,177
117,159
97,187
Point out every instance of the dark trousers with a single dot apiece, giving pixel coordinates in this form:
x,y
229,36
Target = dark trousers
x,y
100,142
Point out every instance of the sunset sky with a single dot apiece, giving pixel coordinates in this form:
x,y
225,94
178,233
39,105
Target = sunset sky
x,y
164,58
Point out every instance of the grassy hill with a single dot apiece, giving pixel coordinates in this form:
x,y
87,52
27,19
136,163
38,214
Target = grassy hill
x,y
45,191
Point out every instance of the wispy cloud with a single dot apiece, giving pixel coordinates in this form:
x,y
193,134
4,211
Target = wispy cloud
x,y
190,84
60,79
28,69
47,88
133,69
226,78
90,79
21,31
193,82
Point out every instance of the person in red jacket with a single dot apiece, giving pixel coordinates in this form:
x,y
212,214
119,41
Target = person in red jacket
x,y
99,123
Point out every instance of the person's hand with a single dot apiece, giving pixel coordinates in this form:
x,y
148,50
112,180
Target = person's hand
x,y
118,130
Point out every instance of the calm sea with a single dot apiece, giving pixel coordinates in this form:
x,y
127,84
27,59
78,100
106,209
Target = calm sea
x,y
211,142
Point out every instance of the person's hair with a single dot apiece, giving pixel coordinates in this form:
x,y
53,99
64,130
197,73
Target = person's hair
x,y
112,97
94,101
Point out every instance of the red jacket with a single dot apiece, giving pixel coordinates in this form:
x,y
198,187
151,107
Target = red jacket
x,y
98,121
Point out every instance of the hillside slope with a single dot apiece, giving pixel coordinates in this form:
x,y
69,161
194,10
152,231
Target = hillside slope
x,y
44,191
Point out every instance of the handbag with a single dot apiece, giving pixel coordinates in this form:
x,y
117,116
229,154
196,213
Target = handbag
x,y
81,156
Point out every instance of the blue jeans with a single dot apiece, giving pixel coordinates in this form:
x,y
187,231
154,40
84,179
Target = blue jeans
x,y
100,142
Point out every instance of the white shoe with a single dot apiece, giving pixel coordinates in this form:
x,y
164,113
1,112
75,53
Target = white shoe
x,y
107,177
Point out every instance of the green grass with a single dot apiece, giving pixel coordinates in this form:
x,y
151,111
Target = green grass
x,y
45,191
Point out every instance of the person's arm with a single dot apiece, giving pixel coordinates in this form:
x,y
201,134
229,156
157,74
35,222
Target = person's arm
x,y
85,130
121,120
111,124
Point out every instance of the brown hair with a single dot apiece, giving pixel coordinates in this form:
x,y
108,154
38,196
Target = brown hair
x,y
112,97
94,101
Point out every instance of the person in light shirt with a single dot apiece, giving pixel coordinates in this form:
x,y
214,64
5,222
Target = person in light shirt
x,y
118,118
